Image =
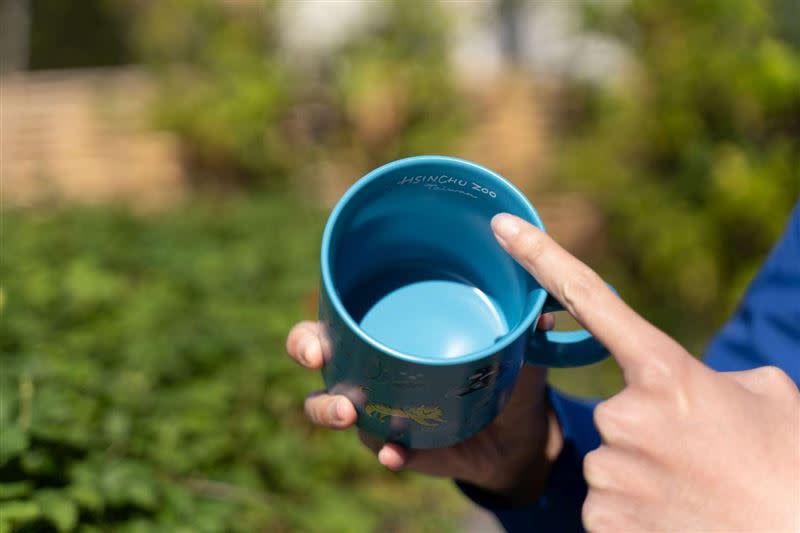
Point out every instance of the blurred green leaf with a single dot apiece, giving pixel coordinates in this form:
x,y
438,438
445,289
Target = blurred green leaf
x,y
87,496
13,490
694,160
386,92
18,512
171,404
59,509
13,442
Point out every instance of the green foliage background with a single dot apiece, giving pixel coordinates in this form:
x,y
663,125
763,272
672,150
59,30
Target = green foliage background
x,y
237,100
695,160
143,385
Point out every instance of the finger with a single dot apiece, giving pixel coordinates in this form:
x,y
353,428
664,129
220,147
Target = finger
x,y
330,411
393,457
746,378
546,322
634,342
606,467
765,380
304,344
619,419
605,510
614,469
438,462
456,462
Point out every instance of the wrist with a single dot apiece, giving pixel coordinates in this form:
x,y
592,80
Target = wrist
x,y
529,478
520,474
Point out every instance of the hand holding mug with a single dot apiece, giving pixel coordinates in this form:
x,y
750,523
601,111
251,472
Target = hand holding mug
x,y
684,448
426,323
427,320
510,456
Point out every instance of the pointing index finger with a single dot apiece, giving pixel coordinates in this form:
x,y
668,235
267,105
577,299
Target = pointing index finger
x,y
632,340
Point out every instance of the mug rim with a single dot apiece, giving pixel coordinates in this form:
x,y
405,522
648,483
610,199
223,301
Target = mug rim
x,y
533,309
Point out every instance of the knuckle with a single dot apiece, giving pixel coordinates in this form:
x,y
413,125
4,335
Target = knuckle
x,y
604,415
593,467
589,512
577,289
316,408
658,380
617,418
776,379
595,518
664,372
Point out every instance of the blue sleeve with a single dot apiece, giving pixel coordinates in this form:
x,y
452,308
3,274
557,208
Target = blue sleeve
x,y
765,330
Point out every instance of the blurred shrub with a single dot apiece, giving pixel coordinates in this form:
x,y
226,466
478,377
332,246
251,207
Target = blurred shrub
x,y
396,86
145,387
223,89
249,114
695,159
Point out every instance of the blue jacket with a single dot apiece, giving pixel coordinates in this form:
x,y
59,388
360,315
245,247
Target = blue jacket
x,y
765,330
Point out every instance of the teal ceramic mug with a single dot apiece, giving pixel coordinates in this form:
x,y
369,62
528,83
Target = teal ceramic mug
x,y
429,319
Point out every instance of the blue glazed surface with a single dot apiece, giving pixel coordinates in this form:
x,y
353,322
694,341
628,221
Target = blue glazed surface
x,y
430,320
455,319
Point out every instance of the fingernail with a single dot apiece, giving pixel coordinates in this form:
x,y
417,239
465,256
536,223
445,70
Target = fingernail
x,y
302,350
384,456
390,459
505,226
336,410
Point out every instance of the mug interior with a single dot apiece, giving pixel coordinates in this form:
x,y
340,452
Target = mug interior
x,y
415,264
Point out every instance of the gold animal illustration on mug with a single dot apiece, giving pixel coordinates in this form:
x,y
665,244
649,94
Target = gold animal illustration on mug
x,y
424,415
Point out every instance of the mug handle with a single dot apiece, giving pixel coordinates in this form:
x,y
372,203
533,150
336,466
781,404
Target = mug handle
x,y
562,349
